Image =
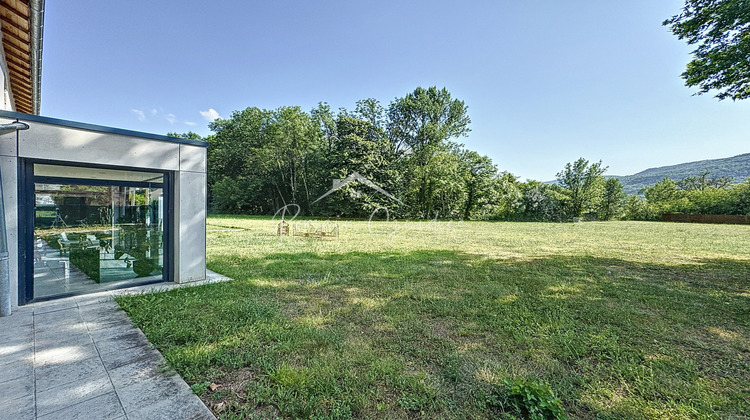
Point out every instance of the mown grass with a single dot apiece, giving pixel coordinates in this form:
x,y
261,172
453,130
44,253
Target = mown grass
x,y
618,319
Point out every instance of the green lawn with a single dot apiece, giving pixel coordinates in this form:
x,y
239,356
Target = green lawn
x,y
462,320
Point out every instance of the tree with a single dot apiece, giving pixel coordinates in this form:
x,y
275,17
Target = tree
x,y
506,201
370,110
580,181
358,147
421,125
479,172
189,135
294,146
260,160
539,202
702,182
235,163
663,191
326,122
636,208
721,31
612,199
741,198
425,119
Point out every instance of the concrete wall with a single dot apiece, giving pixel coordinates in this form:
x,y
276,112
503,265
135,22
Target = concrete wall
x,y
68,144
190,215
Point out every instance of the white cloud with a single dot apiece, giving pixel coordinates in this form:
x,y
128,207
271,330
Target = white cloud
x,y
171,118
210,115
190,123
139,113
154,111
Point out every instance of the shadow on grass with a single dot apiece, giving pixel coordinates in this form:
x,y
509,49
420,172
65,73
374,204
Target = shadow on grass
x,y
436,332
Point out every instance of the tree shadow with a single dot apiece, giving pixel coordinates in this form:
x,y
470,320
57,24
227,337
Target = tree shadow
x,y
612,337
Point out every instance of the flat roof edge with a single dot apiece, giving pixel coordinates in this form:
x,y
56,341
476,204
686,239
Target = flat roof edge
x,y
99,128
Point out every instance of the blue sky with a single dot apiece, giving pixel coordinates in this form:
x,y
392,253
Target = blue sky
x,y
546,82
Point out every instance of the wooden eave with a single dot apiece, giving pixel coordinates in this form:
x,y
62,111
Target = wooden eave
x,y
15,21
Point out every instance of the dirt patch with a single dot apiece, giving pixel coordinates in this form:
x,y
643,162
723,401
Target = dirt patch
x,y
229,393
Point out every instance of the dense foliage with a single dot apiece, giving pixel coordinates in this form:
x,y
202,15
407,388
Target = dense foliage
x,y
260,161
692,195
720,30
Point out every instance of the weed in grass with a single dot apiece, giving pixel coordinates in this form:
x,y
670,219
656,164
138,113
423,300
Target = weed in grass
x,y
200,388
533,400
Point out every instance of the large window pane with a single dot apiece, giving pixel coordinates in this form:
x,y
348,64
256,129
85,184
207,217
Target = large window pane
x,y
90,237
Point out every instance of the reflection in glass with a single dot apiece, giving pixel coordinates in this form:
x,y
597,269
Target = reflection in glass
x,y
90,237
60,171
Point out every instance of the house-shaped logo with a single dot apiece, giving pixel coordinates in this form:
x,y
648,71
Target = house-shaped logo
x,y
354,177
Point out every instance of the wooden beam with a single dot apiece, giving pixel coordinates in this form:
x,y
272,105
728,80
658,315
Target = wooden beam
x,y
19,60
20,93
12,44
11,40
22,26
7,33
21,97
20,8
23,56
18,66
22,83
21,101
22,104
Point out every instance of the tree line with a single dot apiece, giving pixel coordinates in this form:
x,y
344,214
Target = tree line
x,y
261,160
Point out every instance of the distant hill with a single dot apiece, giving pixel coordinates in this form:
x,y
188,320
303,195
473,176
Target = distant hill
x,y
737,167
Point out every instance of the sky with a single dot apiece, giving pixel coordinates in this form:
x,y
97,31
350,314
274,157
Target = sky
x,y
545,82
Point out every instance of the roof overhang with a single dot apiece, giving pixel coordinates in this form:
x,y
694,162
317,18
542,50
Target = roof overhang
x,y
22,27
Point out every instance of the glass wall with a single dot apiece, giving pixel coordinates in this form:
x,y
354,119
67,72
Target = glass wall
x,y
96,229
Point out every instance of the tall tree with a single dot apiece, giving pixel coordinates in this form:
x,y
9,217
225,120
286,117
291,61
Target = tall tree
x,y
370,110
438,189
426,118
721,31
260,160
326,122
359,147
236,167
580,180
613,199
479,172
294,145
421,125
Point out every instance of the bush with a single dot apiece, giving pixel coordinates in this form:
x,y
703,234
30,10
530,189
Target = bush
x,y
637,208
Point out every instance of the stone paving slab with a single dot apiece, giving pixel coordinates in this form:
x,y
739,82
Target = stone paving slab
x,y
81,358
59,398
18,408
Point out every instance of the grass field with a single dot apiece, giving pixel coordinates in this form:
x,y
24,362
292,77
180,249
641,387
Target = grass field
x,y
464,320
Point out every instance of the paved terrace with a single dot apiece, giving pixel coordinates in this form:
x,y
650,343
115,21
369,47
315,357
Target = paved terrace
x,y
81,358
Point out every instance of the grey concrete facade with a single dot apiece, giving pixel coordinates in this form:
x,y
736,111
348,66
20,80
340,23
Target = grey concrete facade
x,y
82,144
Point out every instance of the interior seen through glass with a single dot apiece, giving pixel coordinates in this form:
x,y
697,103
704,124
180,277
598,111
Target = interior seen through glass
x,y
89,237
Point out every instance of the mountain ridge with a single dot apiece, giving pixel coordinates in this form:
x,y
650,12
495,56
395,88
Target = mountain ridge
x,y
737,167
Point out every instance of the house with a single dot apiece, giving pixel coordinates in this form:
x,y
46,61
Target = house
x,y
87,207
